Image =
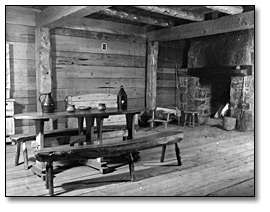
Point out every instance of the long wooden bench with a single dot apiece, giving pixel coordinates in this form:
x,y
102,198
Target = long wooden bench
x,y
66,153
70,135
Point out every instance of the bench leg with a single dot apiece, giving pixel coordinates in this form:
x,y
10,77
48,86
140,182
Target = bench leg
x,y
17,156
25,155
162,154
131,167
177,151
49,177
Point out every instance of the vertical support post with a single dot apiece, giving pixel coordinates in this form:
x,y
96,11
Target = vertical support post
x,y
43,62
151,85
43,66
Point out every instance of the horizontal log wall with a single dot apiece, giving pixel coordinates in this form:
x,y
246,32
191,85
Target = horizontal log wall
x,y
80,66
20,33
170,54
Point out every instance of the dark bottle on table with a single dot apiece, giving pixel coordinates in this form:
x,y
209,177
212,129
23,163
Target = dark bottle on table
x,y
122,99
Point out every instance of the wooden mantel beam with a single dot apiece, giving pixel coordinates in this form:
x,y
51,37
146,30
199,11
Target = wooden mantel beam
x,y
221,25
232,10
137,18
55,16
178,13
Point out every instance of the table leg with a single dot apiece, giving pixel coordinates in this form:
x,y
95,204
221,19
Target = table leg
x,y
99,121
80,126
39,167
130,118
96,163
130,125
89,129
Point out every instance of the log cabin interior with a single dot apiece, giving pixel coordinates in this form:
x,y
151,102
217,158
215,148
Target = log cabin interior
x,y
197,61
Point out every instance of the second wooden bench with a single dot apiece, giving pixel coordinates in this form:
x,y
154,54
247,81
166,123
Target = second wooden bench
x,y
67,153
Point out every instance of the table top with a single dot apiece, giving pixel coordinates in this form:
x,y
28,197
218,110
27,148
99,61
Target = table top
x,y
78,113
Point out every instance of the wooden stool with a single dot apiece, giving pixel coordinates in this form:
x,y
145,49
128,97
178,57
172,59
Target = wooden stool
x,y
191,115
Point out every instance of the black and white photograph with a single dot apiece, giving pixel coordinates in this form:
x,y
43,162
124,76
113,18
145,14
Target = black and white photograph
x,y
130,101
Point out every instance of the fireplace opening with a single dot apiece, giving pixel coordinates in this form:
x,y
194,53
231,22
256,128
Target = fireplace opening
x,y
220,92
208,90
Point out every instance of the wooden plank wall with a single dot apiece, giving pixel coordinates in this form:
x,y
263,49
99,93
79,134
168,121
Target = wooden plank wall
x,y
80,66
20,33
169,54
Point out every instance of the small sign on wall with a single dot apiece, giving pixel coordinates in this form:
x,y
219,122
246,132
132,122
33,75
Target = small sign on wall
x,y
104,46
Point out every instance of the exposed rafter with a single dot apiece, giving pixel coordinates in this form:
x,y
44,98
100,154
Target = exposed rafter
x,y
137,18
222,25
232,10
178,13
55,16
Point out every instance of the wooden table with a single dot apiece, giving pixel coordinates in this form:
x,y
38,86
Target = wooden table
x,y
89,115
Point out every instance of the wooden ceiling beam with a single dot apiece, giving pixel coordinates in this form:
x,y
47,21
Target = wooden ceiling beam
x,y
178,13
137,18
221,25
232,10
56,16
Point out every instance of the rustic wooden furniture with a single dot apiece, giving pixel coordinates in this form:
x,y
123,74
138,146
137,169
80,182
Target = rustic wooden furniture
x,y
89,116
70,134
191,114
64,153
86,100
164,116
10,125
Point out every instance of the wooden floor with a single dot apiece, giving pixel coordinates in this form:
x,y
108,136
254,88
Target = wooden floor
x,y
215,163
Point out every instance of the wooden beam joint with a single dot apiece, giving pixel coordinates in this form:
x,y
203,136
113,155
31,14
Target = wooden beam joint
x,y
55,16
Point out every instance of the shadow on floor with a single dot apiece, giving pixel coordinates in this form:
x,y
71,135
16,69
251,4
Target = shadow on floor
x,y
103,180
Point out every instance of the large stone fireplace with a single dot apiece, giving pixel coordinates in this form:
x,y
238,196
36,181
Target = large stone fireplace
x,y
221,71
